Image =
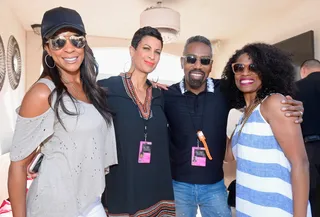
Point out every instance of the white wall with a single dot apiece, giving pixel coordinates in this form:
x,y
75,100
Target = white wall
x,y
10,99
114,60
300,18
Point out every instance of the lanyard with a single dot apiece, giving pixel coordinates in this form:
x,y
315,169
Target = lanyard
x,y
199,132
146,124
130,91
202,115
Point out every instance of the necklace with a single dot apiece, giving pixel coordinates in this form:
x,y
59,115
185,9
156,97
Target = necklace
x,y
66,82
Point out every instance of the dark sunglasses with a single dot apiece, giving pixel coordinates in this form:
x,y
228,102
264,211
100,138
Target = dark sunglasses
x,y
60,41
240,67
192,59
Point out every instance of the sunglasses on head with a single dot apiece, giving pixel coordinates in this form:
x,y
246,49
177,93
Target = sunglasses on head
x,y
240,67
60,41
192,59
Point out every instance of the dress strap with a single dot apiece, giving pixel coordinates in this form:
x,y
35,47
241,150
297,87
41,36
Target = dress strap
x,y
270,95
47,82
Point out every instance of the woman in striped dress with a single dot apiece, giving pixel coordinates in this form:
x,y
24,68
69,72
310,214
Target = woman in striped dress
x,y
272,165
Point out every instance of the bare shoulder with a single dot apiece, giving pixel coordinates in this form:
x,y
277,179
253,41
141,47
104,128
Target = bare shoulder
x,y
274,100
35,102
271,107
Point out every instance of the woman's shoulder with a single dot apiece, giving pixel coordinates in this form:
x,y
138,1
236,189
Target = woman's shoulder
x,y
271,106
35,101
107,82
273,100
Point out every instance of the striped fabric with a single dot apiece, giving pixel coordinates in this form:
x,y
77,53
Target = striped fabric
x,y
263,172
163,208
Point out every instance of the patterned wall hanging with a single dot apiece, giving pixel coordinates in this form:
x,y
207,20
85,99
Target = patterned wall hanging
x,y
2,64
13,62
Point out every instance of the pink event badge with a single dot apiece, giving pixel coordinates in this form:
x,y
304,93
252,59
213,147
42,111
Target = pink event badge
x,y
144,152
198,157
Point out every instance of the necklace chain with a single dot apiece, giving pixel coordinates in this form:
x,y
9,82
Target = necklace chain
x,y
66,81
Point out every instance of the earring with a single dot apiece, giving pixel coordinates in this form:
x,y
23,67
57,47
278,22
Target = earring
x,y
45,60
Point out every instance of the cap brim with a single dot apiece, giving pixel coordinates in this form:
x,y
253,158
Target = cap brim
x,y
52,31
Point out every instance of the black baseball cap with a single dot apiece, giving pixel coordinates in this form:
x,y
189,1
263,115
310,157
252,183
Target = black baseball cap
x,y
58,18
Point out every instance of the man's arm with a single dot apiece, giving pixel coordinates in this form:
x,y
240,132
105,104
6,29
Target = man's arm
x,y
292,108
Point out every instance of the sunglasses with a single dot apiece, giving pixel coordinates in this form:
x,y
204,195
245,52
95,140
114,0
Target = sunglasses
x,y
192,59
60,41
240,67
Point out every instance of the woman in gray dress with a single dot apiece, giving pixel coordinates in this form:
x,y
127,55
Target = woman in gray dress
x,y
66,112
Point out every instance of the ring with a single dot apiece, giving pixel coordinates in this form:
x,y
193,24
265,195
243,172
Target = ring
x,y
301,113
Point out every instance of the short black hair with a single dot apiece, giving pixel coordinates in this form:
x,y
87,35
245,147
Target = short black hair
x,y
197,38
145,31
310,63
275,69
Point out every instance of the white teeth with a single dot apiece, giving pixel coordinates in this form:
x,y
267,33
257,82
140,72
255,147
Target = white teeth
x,y
246,81
70,59
198,75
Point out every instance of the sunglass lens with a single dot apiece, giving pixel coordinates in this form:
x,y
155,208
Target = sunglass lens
x,y
238,67
253,68
78,41
191,59
205,61
58,43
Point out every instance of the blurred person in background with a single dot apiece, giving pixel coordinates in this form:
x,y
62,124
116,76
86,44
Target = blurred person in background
x,y
309,93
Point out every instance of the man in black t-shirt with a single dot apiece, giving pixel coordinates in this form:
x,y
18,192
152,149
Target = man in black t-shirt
x,y
309,93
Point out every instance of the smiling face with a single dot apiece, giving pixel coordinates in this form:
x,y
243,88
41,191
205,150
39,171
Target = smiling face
x,y
246,77
146,56
68,58
197,71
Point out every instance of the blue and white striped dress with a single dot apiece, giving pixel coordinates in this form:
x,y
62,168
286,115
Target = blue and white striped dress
x,y
263,172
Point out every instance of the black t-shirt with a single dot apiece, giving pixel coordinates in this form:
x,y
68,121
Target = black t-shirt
x,y
309,93
187,113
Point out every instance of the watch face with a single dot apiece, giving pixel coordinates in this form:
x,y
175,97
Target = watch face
x,y
2,64
13,62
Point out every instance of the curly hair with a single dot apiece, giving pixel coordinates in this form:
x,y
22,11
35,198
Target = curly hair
x,y
275,69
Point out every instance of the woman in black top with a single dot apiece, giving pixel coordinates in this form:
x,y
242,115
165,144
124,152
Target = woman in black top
x,y
140,185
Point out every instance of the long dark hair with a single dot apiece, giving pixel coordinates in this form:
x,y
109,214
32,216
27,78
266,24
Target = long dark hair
x,y
88,74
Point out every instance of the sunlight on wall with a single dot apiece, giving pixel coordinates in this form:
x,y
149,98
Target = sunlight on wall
x,y
10,98
113,61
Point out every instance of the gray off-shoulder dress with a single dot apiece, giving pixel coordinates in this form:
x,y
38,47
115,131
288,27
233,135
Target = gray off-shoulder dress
x,y
72,174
